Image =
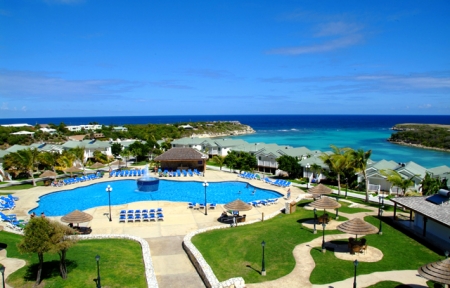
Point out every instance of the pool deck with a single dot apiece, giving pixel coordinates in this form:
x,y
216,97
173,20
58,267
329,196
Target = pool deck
x,y
172,266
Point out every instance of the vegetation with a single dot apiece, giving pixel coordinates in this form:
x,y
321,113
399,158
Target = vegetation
x,y
42,236
242,161
339,161
427,135
397,180
218,160
22,161
389,284
121,261
290,165
399,250
359,163
431,185
243,257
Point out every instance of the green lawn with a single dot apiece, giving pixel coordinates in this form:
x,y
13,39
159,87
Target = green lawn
x,y
346,209
121,264
389,284
22,186
400,252
237,251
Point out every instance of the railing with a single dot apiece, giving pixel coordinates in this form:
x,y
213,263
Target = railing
x,y
270,164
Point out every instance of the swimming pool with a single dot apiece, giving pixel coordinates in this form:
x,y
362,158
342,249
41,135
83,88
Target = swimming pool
x,y
125,191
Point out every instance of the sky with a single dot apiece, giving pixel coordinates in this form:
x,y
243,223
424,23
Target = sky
x,y
74,58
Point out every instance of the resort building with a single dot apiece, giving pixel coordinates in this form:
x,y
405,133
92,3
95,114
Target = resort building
x,y
23,133
429,216
120,129
181,158
48,130
76,128
90,146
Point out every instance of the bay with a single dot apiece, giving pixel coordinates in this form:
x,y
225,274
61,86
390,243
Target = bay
x,y
316,132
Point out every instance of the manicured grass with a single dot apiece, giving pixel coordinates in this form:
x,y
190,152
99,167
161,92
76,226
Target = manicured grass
x,y
237,251
389,284
346,209
121,264
361,201
400,253
22,186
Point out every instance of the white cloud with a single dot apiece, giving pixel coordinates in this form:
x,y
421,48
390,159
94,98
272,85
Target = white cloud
x,y
41,85
425,106
337,28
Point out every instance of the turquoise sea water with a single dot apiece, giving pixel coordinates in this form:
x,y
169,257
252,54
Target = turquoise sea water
x,y
316,132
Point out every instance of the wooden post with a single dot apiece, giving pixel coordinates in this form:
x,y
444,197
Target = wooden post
x,y
410,214
262,217
425,219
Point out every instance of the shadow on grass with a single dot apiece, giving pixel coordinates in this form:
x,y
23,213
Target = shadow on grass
x,y
50,269
256,270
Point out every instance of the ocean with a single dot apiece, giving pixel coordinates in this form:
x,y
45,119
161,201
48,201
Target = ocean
x,y
316,132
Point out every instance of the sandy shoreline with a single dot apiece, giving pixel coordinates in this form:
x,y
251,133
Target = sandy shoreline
x,y
419,146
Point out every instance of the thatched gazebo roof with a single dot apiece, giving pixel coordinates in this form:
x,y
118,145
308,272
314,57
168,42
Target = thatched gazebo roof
x,y
238,205
97,165
321,190
181,154
357,226
77,216
437,271
73,169
48,173
325,203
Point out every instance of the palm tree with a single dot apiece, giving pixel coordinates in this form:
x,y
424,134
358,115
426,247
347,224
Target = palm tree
x,y
359,159
23,160
65,160
78,152
126,153
49,158
219,160
338,162
397,180
430,185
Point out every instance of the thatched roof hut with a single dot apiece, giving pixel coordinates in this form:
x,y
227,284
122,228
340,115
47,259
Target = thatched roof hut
x,y
182,158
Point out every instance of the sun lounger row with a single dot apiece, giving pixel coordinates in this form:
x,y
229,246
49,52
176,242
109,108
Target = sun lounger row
x,y
278,182
263,202
89,177
179,173
141,215
194,205
8,202
127,173
248,175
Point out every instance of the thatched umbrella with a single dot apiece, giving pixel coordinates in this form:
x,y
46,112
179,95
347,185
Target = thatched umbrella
x,y
117,162
48,174
357,226
72,170
320,190
238,205
325,203
97,165
76,216
436,271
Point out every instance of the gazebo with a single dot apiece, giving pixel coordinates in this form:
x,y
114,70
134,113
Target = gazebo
x,y
182,158
320,190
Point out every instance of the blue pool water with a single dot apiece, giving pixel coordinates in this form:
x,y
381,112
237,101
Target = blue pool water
x,y
125,191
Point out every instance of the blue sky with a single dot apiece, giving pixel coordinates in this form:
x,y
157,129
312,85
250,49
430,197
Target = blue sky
x,y
106,57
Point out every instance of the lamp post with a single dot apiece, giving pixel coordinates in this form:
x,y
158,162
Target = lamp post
x,y
109,190
315,217
337,209
323,236
307,176
346,187
356,265
2,270
380,232
263,266
97,258
205,184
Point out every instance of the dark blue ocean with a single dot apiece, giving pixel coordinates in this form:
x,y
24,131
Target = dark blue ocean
x,y
315,132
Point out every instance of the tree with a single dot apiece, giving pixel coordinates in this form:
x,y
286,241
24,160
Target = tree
x,y
219,160
22,161
338,162
430,185
78,152
241,160
37,234
116,148
49,158
397,180
100,157
290,165
231,160
139,150
61,242
359,159
126,153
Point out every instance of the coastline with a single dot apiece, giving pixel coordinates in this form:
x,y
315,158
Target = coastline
x,y
419,146
246,131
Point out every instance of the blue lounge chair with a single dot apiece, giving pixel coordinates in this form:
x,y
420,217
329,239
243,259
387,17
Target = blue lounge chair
x,y
137,217
130,218
191,205
160,217
151,217
152,210
185,173
138,211
159,210
122,219
201,206
13,198
145,218
144,211
123,212
212,206
130,212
